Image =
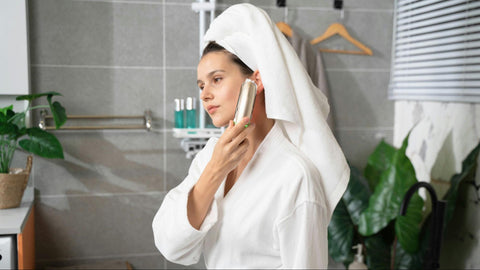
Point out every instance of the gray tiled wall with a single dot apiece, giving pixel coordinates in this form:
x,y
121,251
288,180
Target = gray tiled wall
x,y
122,57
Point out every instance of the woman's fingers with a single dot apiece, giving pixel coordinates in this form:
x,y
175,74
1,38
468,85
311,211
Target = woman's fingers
x,y
233,145
239,151
234,130
242,135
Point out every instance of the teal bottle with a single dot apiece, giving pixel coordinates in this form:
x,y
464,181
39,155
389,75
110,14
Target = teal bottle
x,y
179,113
191,113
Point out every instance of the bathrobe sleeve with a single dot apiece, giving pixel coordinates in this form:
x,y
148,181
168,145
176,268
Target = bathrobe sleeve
x,y
303,238
174,236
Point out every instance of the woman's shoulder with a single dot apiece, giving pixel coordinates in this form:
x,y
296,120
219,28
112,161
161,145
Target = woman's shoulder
x,y
294,163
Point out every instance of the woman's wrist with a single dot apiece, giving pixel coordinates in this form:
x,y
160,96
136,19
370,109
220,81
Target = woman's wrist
x,y
202,195
210,179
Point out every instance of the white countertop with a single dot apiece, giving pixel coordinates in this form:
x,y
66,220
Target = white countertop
x,y
13,220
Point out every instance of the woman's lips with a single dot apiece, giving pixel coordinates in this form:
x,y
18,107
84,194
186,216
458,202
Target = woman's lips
x,y
212,109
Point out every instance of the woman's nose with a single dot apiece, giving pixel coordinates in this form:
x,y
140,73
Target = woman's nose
x,y
205,95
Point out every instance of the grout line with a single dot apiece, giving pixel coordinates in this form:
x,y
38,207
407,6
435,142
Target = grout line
x,y
321,9
189,4
165,67
225,5
95,66
112,67
351,9
143,2
364,128
357,70
113,131
164,97
103,131
121,2
165,134
181,68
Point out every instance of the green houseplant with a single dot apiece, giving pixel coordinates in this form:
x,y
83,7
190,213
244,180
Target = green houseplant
x,y
368,212
15,134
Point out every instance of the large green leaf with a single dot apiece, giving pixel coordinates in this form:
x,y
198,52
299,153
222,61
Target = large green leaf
x,y
407,260
42,143
8,129
385,202
415,260
6,113
341,230
18,119
378,162
6,109
407,228
35,96
356,195
8,149
468,173
377,252
58,112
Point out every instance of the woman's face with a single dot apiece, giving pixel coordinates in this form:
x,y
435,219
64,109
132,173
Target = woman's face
x,y
220,80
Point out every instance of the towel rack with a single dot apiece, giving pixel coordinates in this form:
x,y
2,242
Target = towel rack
x,y
147,121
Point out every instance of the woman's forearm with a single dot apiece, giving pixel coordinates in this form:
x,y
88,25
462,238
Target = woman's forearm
x,y
228,152
202,195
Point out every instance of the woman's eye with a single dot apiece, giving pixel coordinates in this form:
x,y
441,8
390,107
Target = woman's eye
x,y
218,79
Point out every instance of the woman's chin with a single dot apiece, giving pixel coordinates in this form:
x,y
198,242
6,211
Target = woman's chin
x,y
219,123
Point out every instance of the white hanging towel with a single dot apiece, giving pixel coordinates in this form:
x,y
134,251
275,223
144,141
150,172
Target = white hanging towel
x,y
311,59
291,98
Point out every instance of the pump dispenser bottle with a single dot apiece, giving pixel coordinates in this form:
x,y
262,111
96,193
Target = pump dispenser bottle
x,y
358,263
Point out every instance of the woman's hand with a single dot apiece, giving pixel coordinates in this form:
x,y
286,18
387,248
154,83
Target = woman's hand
x,y
231,147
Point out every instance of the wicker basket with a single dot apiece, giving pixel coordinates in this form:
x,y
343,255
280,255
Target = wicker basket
x,y
13,184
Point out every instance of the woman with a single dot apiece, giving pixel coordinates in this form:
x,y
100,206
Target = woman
x,y
261,195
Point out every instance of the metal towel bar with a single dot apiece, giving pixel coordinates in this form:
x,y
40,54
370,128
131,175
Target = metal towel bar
x,y
147,121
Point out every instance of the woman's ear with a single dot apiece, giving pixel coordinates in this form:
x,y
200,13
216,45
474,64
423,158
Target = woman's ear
x,y
258,80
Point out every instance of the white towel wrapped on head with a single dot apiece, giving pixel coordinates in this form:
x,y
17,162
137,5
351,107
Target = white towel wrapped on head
x,y
290,96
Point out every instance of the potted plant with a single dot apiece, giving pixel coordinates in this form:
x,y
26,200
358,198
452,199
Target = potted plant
x,y
369,211
15,134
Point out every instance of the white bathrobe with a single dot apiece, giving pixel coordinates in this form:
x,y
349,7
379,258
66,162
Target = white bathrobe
x,y
274,216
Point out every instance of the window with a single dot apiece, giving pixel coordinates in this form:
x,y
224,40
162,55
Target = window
x,y
436,50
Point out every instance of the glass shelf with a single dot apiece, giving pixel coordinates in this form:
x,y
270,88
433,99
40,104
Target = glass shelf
x,y
194,139
198,133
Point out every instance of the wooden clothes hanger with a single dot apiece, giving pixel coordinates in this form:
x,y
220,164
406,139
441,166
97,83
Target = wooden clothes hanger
x,y
285,29
337,28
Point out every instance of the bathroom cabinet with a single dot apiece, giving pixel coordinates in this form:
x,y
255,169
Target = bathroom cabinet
x,y
19,222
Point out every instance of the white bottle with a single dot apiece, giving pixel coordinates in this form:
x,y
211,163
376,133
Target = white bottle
x,y
358,263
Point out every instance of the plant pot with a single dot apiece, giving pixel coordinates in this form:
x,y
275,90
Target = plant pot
x,y
13,184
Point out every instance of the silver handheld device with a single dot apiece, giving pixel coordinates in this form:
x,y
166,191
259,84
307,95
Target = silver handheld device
x,y
246,100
